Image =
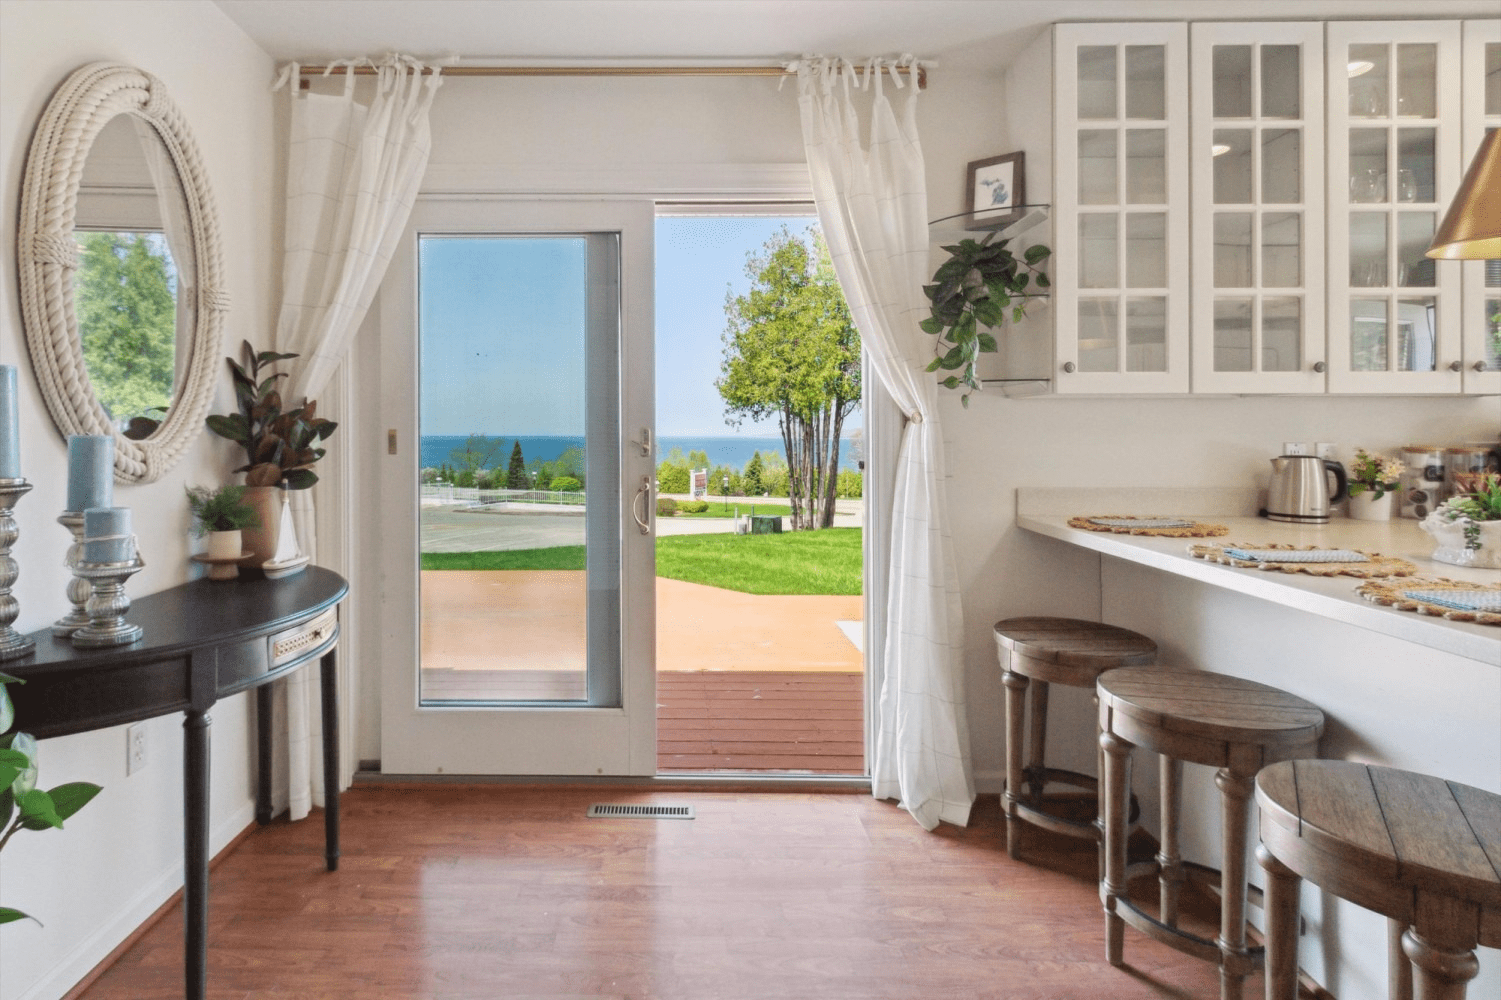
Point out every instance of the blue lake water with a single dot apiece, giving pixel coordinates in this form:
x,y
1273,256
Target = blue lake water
x,y
731,451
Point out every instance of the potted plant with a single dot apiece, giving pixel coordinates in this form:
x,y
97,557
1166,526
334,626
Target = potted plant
x,y
1372,480
223,515
1467,527
977,287
280,444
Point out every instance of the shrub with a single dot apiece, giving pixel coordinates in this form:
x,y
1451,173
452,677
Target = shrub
x,y
666,506
672,477
851,484
566,484
693,506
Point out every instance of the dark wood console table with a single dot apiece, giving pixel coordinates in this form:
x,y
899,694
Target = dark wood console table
x,y
203,641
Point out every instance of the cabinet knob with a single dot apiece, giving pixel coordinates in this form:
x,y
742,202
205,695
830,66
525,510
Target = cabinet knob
x,y
1479,366
1455,366
1070,367
1320,367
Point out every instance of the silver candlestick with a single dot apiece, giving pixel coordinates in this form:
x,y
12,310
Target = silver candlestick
x,y
12,643
78,587
107,604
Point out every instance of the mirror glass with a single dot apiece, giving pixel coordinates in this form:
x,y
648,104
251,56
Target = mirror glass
x,y
130,218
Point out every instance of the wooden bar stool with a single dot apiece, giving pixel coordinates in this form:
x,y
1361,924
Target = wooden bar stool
x,y
1421,851
1037,652
1235,725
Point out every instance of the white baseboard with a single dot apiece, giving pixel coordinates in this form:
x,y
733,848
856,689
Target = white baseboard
x,y
990,782
96,947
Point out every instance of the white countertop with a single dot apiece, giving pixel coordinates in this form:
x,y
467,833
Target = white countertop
x,y
1330,597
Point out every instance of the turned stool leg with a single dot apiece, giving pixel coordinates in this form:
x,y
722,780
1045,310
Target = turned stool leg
x,y
1235,960
1442,973
1169,860
1117,782
1016,706
1037,708
1281,927
1398,968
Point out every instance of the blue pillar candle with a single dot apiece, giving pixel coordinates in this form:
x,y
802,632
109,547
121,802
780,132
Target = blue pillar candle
x,y
10,428
91,471
106,535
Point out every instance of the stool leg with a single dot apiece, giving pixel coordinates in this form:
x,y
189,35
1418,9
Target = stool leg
x,y
1099,796
1169,860
1442,973
1282,927
1037,708
1398,968
1117,782
1235,805
1016,706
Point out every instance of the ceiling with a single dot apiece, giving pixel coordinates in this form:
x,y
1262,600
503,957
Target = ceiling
x,y
584,30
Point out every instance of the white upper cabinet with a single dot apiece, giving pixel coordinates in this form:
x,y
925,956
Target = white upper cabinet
x,y
1257,156
1120,200
1481,112
1394,164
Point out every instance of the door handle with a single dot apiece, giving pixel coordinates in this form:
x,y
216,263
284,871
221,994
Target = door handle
x,y
644,490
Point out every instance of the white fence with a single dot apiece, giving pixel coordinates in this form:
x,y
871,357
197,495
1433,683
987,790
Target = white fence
x,y
447,493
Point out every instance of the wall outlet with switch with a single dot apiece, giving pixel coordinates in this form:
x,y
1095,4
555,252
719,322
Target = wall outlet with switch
x,y
1294,448
1324,450
135,748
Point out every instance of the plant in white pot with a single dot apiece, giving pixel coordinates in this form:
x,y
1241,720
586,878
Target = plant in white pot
x,y
222,515
1467,527
1373,478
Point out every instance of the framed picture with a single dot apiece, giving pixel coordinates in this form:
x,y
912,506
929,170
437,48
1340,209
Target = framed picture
x,y
996,190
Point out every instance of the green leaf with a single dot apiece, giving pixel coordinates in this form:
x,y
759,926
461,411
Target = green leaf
x,y
953,359
933,365
951,382
300,479
8,774
931,325
7,915
270,357
987,343
1037,253
1042,280
68,799
37,812
7,806
232,426
990,313
8,679
964,400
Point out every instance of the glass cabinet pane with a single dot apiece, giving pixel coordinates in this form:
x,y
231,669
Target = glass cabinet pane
x,y
1417,335
1146,250
1281,334
1368,335
1369,67
1232,166
1281,250
1368,249
1099,256
1415,165
1281,82
1368,165
1099,335
1417,80
1232,335
1414,233
1097,81
1493,335
1232,250
1232,81
1097,170
1146,166
1146,335
1492,79
1146,82
1281,165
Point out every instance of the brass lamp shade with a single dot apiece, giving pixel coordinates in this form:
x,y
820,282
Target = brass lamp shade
x,y
1472,228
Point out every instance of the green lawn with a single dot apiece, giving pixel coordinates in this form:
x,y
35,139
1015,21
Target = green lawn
x,y
800,562
717,508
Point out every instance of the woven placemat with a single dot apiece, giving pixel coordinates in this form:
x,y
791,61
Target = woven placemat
x,y
1186,528
1374,565
1393,594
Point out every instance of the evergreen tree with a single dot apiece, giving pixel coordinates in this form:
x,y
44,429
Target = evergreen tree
x,y
755,469
516,477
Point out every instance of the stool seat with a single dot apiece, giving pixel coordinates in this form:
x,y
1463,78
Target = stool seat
x,y
1035,653
1422,851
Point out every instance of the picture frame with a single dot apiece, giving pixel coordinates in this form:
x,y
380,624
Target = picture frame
x,y
995,190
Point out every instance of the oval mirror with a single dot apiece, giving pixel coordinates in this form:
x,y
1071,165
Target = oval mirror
x,y
119,268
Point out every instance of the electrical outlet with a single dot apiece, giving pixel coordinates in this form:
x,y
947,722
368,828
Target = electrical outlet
x,y
1324,449
135,748
1294,448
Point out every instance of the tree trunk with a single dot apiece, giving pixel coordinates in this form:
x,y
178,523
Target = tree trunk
x,y
831,474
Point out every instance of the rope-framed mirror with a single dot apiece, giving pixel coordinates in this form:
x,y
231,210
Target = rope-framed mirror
x,y
183,255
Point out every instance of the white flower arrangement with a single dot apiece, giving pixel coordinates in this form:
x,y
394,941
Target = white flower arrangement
x,y
1376,473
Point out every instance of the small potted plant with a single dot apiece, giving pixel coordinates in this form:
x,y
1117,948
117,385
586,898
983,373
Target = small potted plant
x,y
223,515
1467,527
1373,478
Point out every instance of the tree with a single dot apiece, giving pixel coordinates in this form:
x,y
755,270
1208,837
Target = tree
x,y
127,320
478,453
791,351
755,469
672,473
516,477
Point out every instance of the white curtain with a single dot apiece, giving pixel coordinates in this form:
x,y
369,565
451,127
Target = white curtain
x,y
353,172
872,205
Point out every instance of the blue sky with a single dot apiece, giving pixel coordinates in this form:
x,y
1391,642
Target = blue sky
x,y
502,322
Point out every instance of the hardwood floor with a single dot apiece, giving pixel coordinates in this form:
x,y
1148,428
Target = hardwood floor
x,y
466,892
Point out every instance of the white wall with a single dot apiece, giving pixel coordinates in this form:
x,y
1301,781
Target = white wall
x,y
94,882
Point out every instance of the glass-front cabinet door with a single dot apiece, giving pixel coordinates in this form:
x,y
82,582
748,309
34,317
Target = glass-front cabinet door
x,y
1257,155
1394,164
1121,273
1482,278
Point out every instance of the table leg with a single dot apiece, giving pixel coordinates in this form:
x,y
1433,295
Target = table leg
x,y
195,768
1235,805
263,754
1016,710
1117,782
330,677
1281,929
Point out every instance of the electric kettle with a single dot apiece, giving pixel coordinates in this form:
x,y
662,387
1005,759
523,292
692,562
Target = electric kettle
x,y
1300,490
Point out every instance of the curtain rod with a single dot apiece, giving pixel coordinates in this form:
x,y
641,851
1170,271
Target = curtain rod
x,y
311,71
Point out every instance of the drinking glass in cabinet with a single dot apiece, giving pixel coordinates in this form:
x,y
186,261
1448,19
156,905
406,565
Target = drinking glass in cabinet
x,y
1368,186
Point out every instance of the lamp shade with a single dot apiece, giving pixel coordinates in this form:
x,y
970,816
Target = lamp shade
x,y
1471,229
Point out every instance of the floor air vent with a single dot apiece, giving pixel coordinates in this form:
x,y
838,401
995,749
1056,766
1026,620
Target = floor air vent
x,y
605,811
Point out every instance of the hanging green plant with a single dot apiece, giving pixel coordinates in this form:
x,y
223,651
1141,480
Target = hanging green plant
x,y
972,292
